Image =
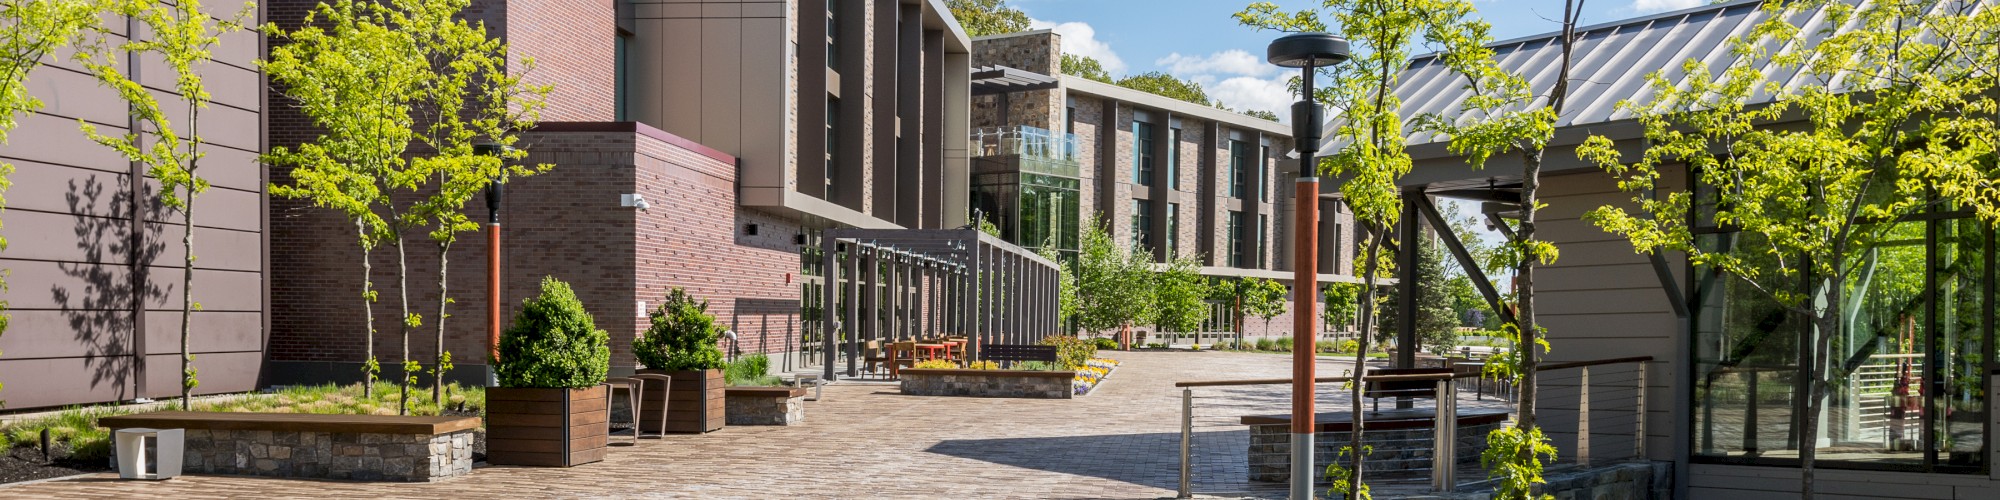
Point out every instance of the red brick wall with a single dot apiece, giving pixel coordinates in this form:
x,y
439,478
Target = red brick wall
x,y
574,47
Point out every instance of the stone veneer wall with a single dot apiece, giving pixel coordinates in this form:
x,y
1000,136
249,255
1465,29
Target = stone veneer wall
x,y
1621,481
988,384
1395,450
374,457
760,409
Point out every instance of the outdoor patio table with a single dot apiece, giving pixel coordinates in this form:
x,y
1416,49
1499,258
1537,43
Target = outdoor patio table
x,y
951,346
931,351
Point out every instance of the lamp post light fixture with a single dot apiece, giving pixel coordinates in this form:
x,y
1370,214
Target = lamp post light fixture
x,y
1308,52
493,194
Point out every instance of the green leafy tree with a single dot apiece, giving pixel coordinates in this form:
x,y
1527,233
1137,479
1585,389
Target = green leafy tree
x,y
1179,296
1113,285
1895,118
184,37
1160,83
1370,152
1266,300
1267,115
1437,322
987,17
683,336
36,28
1067,305
470,99
1342,301
1084,67
357,76
553,343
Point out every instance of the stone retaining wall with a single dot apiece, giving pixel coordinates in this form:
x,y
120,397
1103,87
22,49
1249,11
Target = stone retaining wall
x,y
764,407
1620,481
988,383
1394,450
373,457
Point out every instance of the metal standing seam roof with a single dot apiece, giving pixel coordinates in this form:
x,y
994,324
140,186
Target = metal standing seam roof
x,y
1609,64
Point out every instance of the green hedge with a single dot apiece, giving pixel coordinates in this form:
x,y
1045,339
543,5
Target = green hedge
x,y
553,343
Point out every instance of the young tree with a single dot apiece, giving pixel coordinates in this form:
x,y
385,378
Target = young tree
x,y
1067,306
1084,67
184,37
1113,285
1342,301
36,29
1369,140
1266,300
1267,115
987,17
472,98
1895,120
356,75
1179,295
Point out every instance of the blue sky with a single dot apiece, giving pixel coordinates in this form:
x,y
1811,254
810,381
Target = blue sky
x,y
1198,40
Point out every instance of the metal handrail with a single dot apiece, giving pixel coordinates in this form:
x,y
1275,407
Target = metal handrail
x,y
1407,378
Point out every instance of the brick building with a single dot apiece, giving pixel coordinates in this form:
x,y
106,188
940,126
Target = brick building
x,y
93,278
743,145
1170,177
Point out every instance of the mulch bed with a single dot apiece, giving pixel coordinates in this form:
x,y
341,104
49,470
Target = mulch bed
x,y
26,464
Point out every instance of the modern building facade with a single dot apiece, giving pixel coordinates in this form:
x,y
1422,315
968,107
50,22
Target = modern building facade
x,y
94,262
1724,386
748,127
1172,178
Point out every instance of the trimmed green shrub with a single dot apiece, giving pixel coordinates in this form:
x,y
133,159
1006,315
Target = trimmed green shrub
x,y
1283,344
682,336
1071,352
553,343
1264,344
751,370
1105,343
1034,366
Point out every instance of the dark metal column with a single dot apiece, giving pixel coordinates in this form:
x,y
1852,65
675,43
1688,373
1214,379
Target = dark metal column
x,y
829,290
853,301
1407,255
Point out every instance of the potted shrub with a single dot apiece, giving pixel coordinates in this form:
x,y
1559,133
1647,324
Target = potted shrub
x,y
681,343
550,408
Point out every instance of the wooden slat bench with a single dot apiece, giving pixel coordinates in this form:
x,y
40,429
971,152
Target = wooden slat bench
x,y
362,447
1008,354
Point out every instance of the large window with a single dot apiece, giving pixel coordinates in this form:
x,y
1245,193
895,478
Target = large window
x,y
1906,387
1173,234
832,146
1239,168
1234,231
1142,153
1257,245
1262,167
1174,158
1142,224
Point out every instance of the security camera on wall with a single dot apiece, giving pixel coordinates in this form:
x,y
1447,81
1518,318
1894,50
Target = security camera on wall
x,y
633,201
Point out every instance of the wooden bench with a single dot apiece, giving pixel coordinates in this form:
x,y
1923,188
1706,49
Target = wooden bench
x,y
363,447
1008,354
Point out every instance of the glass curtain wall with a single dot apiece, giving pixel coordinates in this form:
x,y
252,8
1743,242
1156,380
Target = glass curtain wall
x,y
1906,375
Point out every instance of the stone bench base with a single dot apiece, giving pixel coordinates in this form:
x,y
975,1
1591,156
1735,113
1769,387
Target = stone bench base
x,y
764,405
988,383
368,457
355,447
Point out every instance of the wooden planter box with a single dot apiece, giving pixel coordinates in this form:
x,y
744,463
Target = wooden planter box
x,y
546,427
694,404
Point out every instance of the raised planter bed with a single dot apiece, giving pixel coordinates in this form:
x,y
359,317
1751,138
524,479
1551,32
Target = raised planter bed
x,y
1401,439
695,403
765,405
546,427
353,447
988,383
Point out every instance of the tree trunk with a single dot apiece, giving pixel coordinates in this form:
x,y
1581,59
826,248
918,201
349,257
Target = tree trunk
x,y
187,302
1360,360
1524,273
437,378
403,288
1828,323
369,364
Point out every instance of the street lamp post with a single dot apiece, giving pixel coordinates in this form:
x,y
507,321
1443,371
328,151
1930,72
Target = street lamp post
x,y
493,192
1307,51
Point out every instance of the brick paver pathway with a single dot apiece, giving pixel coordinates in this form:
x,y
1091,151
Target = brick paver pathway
x,y
863,441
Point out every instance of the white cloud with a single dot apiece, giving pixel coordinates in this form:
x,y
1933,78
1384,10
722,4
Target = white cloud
x,y
1651,6
1081,39
1228,62
1246,93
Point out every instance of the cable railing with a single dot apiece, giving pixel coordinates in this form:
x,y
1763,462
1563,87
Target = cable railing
x,y
1039,150
1235,433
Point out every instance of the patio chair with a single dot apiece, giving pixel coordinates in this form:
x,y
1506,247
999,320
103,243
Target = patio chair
x,y
632,387
874,356
666,384
902,355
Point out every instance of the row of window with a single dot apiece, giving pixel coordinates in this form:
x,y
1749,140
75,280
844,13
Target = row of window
x,y
1245,171
1245,244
